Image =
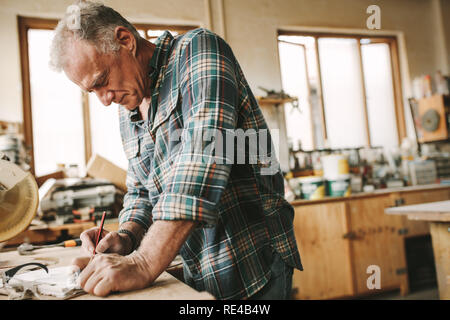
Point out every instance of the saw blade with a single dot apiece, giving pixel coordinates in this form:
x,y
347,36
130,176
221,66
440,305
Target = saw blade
x,y
18,207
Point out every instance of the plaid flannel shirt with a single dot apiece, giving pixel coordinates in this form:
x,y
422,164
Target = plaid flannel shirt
x,y
196,83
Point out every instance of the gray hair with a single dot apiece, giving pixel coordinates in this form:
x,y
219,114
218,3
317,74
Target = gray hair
x,y
89,21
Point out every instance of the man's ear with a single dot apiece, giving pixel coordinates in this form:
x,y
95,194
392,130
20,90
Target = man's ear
x,y
126,39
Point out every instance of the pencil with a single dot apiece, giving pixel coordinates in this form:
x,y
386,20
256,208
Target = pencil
x,y
100,230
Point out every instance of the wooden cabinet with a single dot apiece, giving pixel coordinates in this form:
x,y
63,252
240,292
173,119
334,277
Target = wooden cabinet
x,y
376,241
325,253
340,238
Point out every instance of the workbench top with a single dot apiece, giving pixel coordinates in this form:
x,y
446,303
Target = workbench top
x,y
166,287
432,211
375,193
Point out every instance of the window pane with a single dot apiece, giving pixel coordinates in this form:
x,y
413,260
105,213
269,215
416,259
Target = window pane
x,y
315,106
58,135
295,83
380,94
342,92
141,33
154,33
105,132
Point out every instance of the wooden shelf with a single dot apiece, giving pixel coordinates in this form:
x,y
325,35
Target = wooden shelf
x,y
275,101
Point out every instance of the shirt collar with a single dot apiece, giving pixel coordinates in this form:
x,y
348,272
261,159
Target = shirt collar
x,y
158,59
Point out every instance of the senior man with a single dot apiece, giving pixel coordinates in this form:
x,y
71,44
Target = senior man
x,y
228,220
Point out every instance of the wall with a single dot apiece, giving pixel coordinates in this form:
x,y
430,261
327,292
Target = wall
x,y
168,11
445,10
250,26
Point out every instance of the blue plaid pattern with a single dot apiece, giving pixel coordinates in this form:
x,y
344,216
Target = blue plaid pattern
x,y
243,218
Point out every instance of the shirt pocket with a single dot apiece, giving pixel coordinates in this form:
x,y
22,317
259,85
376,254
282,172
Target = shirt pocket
x,y
139,158
166,109
131,148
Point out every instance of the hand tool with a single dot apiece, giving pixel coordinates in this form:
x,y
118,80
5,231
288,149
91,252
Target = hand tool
x,y
100,230
27,248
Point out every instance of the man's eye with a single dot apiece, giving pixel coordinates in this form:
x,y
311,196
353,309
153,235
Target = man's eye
x,y
100,84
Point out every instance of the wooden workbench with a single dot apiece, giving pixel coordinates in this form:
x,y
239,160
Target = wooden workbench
x,y
438,213
51,233
166,287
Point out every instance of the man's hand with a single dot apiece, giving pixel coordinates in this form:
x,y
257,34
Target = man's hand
x,y
111,242
106,273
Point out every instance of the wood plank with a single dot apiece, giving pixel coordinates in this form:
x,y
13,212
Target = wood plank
x,y
414,227
439,207
443,217
418,225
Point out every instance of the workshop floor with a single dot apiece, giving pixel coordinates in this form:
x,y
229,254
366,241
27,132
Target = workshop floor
x,y
424,294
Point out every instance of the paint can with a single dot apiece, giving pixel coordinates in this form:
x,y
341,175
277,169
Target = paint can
x,y
339,186
334,165
312,187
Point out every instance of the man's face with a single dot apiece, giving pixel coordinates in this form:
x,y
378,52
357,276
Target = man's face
x,y
115,77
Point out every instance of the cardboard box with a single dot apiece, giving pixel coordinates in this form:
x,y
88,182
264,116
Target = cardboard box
x,y
101,168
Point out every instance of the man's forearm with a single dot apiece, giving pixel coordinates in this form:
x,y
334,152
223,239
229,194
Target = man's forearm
x,y
161,244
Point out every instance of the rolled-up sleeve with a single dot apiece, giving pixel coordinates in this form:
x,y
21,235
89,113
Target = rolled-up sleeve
x,y
136,204
209,94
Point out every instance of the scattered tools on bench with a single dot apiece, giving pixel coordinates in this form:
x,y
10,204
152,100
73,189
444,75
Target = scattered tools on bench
x,y
28,248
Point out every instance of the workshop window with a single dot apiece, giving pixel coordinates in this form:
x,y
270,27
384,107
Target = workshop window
x,y
62,124
58,136
346,90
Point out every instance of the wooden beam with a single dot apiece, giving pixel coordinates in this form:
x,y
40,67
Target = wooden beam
x,y
176,28
319,82
398,96
86,126
24,24
26,91
363,84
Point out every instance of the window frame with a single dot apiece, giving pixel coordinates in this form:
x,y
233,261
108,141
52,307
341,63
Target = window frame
x,y
26,23
392,42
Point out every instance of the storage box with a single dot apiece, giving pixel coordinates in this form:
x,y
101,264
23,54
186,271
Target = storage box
x,y
101,168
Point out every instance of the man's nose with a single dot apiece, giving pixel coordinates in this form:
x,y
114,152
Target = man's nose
x,y
105,96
